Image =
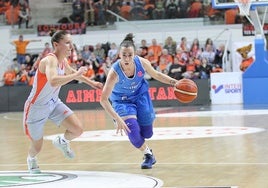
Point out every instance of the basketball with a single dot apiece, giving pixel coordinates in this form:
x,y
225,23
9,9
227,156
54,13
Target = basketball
x,y
186,90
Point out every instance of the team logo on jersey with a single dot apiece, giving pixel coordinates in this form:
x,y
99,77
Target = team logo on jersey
x,y
139,74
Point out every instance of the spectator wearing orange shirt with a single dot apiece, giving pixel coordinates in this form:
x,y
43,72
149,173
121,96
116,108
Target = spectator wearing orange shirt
x,y
195,9
21,46
191,71
157,49
167,56
163,66
152,58
231,15
90,72
9,77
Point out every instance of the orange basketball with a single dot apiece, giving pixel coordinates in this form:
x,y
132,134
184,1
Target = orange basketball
x,y
186,90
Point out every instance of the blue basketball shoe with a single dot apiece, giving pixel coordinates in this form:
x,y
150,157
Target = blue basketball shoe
x,y
149,161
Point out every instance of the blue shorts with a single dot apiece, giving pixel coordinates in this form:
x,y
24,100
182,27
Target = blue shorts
x,y
141,107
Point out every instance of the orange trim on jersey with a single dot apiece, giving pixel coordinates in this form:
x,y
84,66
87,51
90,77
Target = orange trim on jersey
x,y
41,82
25,120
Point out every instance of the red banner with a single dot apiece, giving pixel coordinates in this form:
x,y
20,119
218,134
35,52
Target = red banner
x,y
249,30
73,28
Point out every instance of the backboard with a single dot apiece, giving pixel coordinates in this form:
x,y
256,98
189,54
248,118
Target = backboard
x,y
227,4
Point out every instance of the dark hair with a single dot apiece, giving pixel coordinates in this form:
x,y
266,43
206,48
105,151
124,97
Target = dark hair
x,y
56,36
128,41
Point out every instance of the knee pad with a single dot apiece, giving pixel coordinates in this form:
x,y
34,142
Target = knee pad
x,y
146,131
135,135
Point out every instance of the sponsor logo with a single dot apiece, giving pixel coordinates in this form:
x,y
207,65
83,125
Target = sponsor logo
x,y
8,179
81,179
227,88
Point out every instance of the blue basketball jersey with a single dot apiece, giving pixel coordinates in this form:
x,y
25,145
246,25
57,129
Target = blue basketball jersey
x,y
129,89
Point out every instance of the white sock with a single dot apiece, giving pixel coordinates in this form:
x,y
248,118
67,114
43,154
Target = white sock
x,y
30,157
147,151
64,139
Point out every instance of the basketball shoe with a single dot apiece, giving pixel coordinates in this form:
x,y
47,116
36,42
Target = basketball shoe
x,y
33,166
149,161
64,147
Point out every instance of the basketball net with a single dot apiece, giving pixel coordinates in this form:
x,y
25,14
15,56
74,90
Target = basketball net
x,y
244,6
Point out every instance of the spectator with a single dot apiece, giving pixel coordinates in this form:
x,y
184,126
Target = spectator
x,y
191,70
163,66
209,41
86,53
138,12
157,49
113,52
9,77
204,69
114,6
24,14
107,65
183,8
159,11
99,53
46,50
170,45
195,50
231,16
101,12
78,8
209,54
217,63
176,69
22,76
79,62
182,56
90,12
29,61
12,15
195,9
144,48
152,58
21,45
4,6
126,9
90,72
168,57
172,9
149,7
95,63
183,45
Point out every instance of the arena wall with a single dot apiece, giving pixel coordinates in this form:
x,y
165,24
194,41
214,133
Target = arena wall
x,y
83,97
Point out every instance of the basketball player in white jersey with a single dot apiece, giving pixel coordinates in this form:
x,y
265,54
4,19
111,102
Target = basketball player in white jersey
x,y
43,102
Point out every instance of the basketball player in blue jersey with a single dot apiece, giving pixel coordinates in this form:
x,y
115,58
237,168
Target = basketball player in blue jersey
x,y
131,107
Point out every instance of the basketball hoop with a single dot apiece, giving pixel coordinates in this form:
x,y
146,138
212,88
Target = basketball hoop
x,y
244,6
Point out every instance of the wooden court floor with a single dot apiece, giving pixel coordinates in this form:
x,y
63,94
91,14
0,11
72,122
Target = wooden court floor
x,y
215,160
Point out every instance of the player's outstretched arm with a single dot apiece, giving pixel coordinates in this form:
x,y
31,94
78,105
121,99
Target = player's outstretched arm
x,y
156,74
82,78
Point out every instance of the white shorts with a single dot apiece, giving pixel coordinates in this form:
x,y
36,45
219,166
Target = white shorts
x,y
35,117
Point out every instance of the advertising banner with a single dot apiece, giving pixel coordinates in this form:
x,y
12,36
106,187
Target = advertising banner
x,y
73,28
226,88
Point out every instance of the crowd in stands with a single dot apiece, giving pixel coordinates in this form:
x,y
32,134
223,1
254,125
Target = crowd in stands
x,y
16,12
179,60
94,12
